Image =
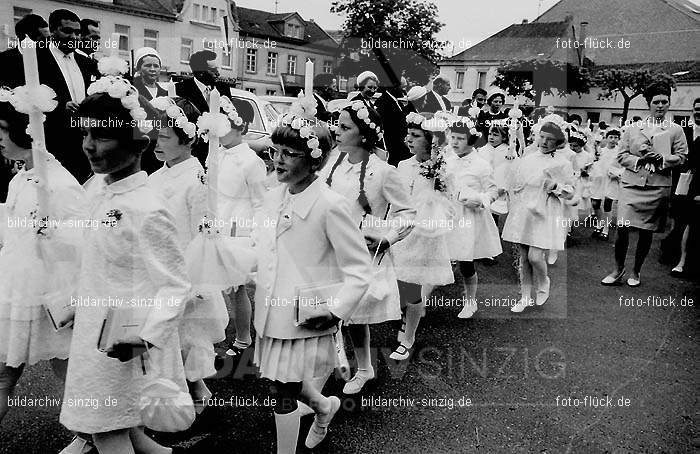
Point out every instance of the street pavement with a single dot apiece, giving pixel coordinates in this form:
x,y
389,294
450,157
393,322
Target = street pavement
x,y
596,369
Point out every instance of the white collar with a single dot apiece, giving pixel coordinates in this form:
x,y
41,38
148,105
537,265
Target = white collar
x,y
125,184
58,53
181,167
240,147
203,88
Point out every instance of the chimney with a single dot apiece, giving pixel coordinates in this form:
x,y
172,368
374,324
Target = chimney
x,y
582,41
525,21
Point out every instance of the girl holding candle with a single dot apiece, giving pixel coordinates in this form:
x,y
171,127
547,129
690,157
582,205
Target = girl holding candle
x,y
134,254
27,334
181,181
539,185
241,186
422,259
371,185
473,189
314,240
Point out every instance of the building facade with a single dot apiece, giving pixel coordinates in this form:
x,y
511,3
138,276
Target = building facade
x,y
273,50
651,34
176,34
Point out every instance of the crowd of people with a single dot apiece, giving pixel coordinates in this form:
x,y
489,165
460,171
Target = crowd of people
x,y
341,219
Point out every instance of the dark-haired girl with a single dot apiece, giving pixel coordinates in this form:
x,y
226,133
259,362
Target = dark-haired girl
x,y
648,151
241,186
181,182
473,189
495,152
422,259
27,334
537,220
305,235
605,183
376,193
131,259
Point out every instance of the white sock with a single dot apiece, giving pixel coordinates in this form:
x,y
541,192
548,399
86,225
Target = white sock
x,y
287,427
414,312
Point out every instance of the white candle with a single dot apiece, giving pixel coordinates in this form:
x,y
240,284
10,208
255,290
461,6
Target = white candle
x,y
171,89
114,45
36,125
309,79
212,158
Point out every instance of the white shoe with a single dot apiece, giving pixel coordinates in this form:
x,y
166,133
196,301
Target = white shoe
x,y
552,257
304,409
542,295
522,304
77,446
357,382
401,353
319,429
467,311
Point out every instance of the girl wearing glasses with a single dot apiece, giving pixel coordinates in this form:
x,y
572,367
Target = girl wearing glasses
x,y
304,235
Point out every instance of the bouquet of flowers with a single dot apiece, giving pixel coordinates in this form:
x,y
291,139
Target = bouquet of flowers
x,y
434,169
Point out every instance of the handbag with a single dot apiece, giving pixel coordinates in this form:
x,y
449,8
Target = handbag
x,y
164,407
684,183
313,301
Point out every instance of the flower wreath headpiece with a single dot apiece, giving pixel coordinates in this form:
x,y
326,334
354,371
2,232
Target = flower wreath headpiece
x,y
439,123
468,122
574,134
551,118
305,132
117,87
230,110
167,105
363,114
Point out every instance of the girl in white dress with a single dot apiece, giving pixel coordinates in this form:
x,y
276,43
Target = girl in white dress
x,y
473,189
605,185
241,184
583,160
537,221
422,259
27,334
304,235
132,260
495,152
377,194
181,181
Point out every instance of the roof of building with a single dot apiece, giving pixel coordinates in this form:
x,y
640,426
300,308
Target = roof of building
x,y
687,71
520,41
262,24
657,30
160,9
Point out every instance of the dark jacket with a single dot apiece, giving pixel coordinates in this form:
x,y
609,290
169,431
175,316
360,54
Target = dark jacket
x,y
432,104
393,117
143,91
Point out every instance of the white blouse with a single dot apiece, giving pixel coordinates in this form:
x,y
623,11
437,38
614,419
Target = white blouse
x,y
383,187
241,186
183,187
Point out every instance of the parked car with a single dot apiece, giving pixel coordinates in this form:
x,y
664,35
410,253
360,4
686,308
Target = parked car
x,y
265,114
280,103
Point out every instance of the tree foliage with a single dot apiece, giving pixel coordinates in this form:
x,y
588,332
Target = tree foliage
x,y
391,36
536,77
629,83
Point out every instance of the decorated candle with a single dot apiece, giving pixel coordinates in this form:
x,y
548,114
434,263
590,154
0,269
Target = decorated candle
x,y
171,89
309,79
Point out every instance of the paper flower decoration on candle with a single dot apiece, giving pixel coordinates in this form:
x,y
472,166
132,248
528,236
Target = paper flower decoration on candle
x,y
303,106
119,88
473,112
26,101
112,66
213,123
175,113
515,112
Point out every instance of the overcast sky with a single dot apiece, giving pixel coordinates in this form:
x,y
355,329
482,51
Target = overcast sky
x,y
466,21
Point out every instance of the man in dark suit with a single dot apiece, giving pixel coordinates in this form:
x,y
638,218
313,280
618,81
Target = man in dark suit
x,y
393,116
69,75
31,26
435,99
198,88
323,92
